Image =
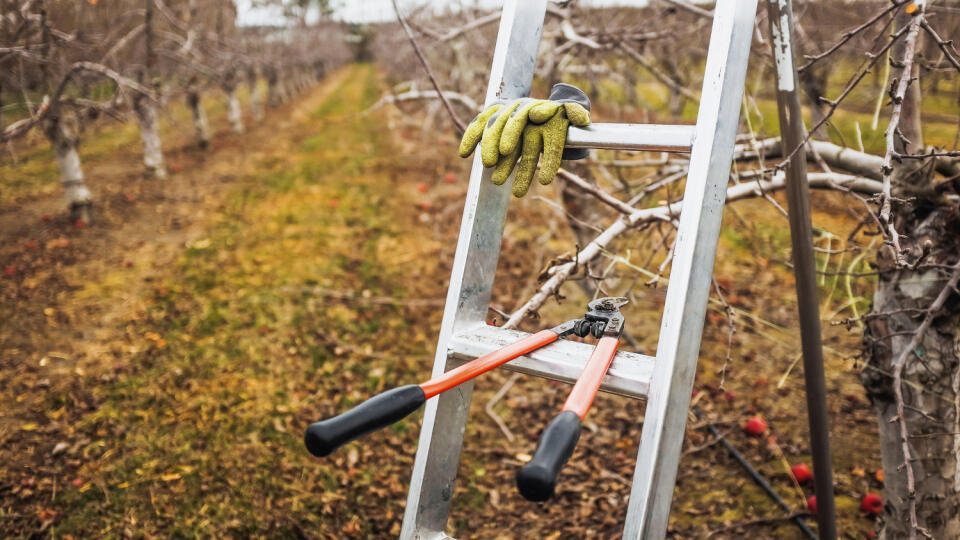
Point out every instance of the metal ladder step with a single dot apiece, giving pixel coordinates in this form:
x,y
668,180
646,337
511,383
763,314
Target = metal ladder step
x,y
562,360
646,137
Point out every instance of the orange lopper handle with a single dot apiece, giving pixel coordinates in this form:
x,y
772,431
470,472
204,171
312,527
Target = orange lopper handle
x,y
485,363
538,478
588,384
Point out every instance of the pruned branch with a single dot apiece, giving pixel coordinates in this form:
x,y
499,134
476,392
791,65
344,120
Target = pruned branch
x,y
559,274
419,95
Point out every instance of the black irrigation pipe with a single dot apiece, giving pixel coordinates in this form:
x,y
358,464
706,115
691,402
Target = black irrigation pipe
x,y
757,477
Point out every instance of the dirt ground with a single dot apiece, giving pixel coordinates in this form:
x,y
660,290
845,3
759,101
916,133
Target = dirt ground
x,y
160,364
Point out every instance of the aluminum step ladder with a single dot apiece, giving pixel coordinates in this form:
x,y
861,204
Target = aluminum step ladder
x,y
666,380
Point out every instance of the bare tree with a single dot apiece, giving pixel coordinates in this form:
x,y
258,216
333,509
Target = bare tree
x,y
144,106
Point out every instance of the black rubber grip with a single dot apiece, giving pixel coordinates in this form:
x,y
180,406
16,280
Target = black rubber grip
x,y
381,410
537,479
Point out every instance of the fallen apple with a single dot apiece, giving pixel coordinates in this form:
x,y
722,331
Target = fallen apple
x,y
450,178
812,504
755,427
871,504
422,187
801,473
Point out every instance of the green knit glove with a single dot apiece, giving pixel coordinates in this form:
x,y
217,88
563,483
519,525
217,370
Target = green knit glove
x,y
548,138
486,129
541,125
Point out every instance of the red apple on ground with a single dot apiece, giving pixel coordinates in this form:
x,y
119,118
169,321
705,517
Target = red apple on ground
x,y
871,504
755,426
9,271
47,218
812,504
422,187
801,473
450,178
80,223
425,205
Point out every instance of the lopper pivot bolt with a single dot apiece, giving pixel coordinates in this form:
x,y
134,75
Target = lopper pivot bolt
x,y
537,479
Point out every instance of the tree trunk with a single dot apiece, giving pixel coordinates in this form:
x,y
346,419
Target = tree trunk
x,y
234,116
145,109
62,134
814,82
256,96
930,232
931,389
273,90
146,112
200,126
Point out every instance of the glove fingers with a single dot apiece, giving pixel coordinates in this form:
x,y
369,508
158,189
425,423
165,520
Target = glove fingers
x,y
543,112
490,141
471,137
505,166
554,137
510,138
530,154
577,114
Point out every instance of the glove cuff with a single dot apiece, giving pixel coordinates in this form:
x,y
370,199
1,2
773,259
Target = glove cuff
x,y
568,93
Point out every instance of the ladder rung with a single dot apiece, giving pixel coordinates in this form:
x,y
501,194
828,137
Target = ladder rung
x,y
562,360
649,137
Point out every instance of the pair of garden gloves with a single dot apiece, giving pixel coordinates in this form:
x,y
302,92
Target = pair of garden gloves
x,y
513,134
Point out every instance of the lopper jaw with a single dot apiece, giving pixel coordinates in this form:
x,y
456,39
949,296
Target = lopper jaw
x,y
603,318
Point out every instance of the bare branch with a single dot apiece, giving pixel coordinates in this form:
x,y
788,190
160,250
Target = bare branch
x,y
416,95
849,34
436,86
910,48
946,46
661,76
559,274
682,4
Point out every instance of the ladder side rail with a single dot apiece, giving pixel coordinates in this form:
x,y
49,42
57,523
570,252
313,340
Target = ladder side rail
x,y
471,283
681,329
